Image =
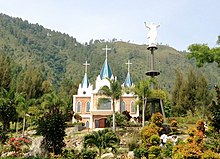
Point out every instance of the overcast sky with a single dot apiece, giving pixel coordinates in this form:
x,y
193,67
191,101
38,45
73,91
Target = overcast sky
x,y
182,22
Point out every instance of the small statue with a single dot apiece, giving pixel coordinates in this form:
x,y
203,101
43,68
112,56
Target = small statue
x,y
152,34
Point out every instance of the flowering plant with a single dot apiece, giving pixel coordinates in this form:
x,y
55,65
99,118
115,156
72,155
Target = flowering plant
x,y
19,144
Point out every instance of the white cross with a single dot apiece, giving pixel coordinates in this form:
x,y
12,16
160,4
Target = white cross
x,y
86,64
128,63
106,50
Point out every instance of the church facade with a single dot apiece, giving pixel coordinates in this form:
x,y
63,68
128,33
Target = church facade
x,y
95,108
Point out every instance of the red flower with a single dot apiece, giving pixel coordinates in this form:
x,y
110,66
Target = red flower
x,y
16,143
12,139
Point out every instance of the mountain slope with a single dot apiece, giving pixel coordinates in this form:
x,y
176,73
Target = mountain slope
x,y
60,56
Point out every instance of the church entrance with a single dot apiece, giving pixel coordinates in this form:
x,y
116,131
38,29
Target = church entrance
x,y
100,123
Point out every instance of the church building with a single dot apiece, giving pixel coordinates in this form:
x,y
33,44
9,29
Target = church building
x,y
95,108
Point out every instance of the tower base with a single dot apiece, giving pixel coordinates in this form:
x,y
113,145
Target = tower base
x,y
153,101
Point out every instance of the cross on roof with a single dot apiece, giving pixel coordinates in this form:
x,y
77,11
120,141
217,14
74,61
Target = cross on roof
x,y
86,64
128,63
106,50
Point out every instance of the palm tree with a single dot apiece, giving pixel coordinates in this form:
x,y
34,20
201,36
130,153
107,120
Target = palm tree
x,y
51,100
102,139
114,91
143,91
23,105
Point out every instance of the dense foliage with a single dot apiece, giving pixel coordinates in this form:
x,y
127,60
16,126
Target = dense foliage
x,y
204,54
52,127
215,110
190,93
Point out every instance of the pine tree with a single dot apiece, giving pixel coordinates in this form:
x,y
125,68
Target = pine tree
x,y
191,91
178,92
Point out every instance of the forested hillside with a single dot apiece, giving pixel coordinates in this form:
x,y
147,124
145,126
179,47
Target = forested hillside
x,y
60,57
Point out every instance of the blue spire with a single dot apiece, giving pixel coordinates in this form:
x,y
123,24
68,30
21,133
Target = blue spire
x,y
106,70
128,80
85,82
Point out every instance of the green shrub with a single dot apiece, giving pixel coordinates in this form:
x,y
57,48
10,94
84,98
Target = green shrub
x,y
212,141
155,150
120,119
77,117
155,140
88,153
140,152
71,154
132,144
167,150
210,155
147,132
189,151
3,136
157,119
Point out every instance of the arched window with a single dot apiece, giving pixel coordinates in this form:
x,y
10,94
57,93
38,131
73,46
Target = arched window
x,y
123,106
133,109
87,106
79,107
87,124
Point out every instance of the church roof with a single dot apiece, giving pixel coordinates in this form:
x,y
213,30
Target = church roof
x,y
128,80
106,70
85,82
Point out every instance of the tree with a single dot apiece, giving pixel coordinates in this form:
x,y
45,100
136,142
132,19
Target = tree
x,y
5,72
190,93
52,127
178,98
52,124
51,100
28,90
120,119
114,91
203,96
23,105
7,108
30,83
7,98
143,91
215,110
204,54
102,139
